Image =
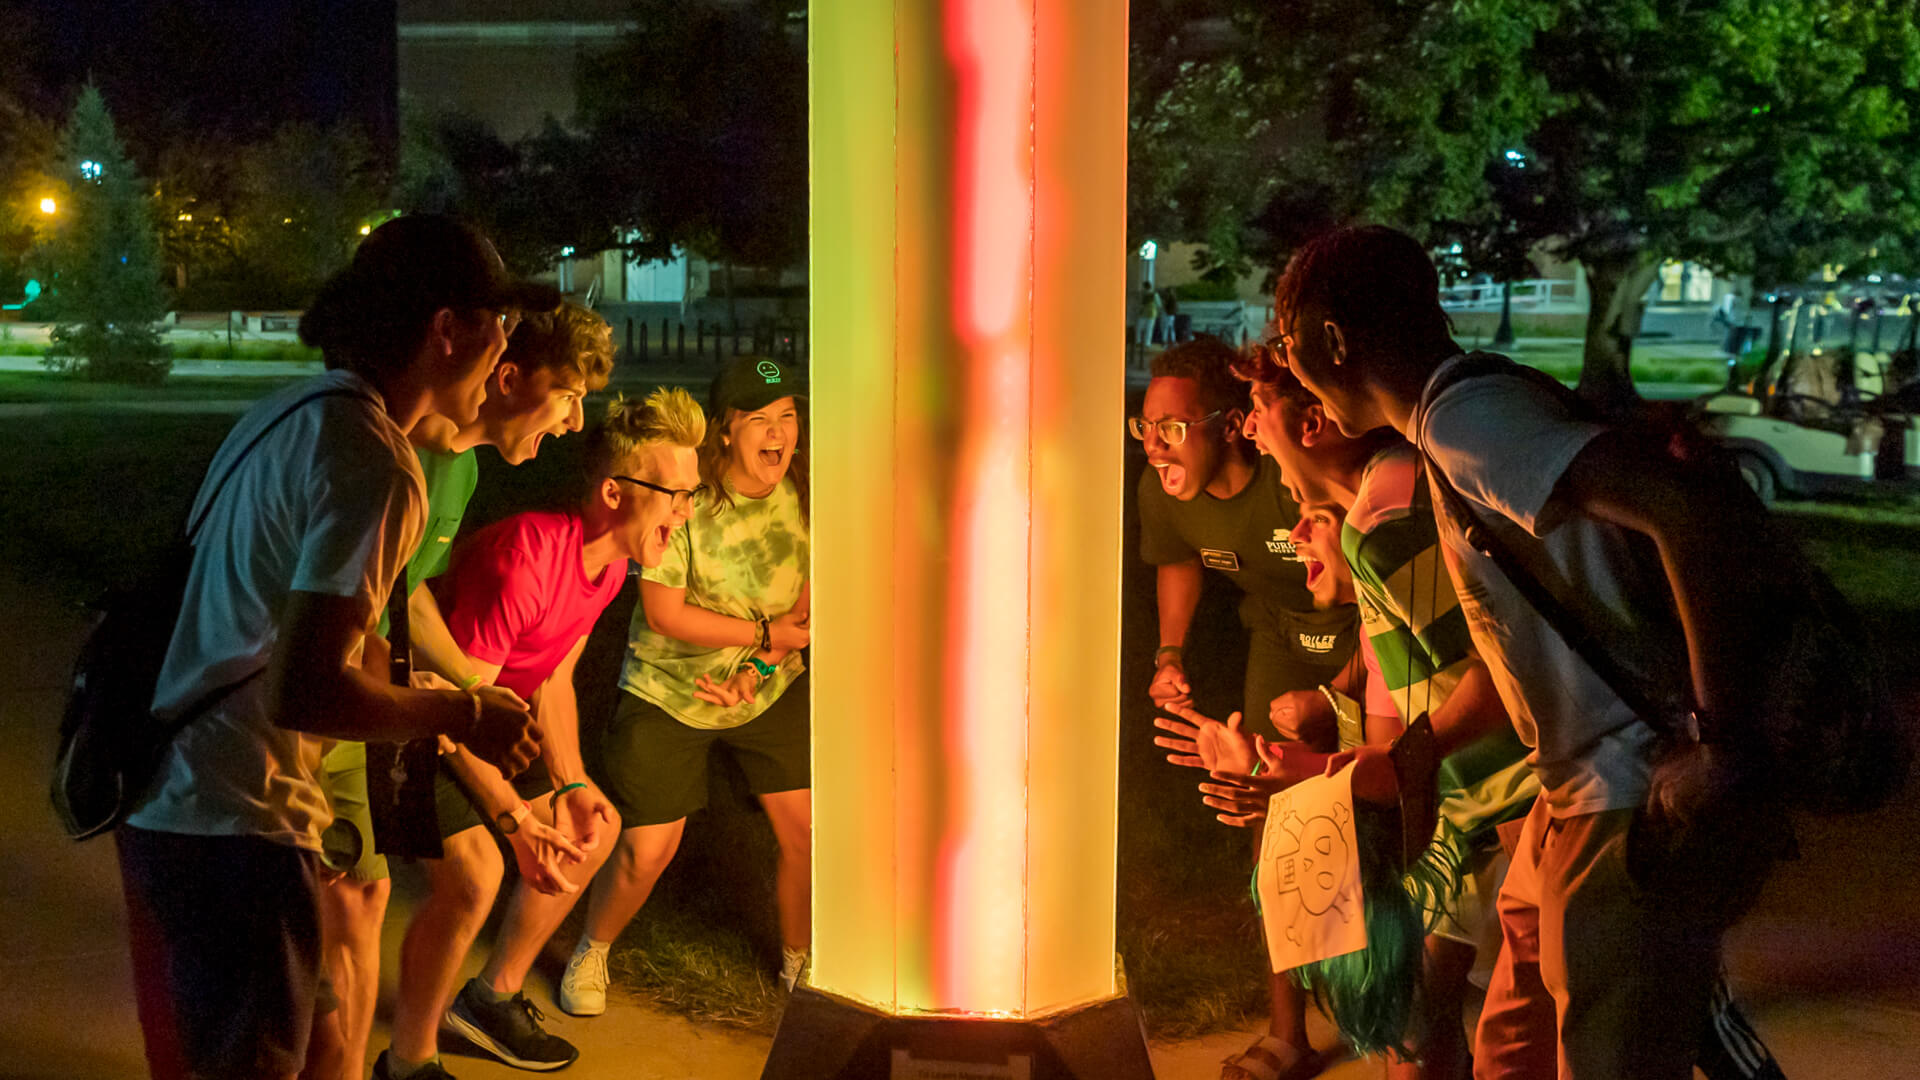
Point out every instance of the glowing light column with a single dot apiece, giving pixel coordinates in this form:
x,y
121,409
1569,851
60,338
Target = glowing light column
x,y
968,290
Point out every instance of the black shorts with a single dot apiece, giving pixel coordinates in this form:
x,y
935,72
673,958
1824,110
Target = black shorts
x,y
225,933
653,768
456,809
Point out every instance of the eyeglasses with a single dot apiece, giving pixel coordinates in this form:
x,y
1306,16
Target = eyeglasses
x,y
1172,432
1273,350
682,497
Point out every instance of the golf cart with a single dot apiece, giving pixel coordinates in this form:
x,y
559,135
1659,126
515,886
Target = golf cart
x,y
1818,416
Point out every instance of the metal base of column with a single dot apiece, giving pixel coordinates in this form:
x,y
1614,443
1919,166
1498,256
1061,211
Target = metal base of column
x,y
823,1037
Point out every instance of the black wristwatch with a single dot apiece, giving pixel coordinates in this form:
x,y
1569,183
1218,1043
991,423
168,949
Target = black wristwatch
x,y
766,634
508,821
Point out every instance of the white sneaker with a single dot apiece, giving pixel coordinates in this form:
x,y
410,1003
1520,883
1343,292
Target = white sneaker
x,y
792,963
583,989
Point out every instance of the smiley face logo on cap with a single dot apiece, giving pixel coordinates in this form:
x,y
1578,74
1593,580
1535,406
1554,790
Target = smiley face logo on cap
x,y
769,371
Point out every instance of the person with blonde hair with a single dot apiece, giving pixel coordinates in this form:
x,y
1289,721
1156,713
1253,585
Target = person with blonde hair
x,y
714,656
520,598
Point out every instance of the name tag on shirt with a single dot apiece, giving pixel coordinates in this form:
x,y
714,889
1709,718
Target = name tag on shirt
x,y
1219,560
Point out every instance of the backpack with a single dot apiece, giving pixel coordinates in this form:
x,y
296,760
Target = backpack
x,y
111,743
1835,743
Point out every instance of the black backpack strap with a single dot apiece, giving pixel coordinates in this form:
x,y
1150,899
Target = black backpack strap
x,y
1561,616
1570,626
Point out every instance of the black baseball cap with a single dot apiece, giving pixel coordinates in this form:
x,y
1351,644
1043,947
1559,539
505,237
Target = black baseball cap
x,y
748,383
439,261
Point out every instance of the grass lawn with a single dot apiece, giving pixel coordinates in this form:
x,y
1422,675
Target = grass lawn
x,y
90,496
33,386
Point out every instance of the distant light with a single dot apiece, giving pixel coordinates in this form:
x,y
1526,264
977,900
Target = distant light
x,y
1517,159
1875,278
567,252
365,229
184,216
90,169
1455,249
48,206
286,221
1149,250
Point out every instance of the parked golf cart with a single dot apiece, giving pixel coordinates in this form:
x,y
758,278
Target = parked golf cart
x,y
1819,416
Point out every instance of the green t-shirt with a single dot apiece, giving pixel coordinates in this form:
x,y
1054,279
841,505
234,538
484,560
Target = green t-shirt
x,y
1413,619
749,560
1244,538
451,479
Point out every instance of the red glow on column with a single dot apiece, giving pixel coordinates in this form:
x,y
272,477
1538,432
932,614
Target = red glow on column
x,y
980,952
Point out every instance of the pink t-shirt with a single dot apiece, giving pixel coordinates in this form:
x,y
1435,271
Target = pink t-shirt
x,y
517,595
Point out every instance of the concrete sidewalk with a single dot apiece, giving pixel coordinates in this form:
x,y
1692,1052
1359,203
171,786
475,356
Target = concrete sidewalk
x,y
1829,966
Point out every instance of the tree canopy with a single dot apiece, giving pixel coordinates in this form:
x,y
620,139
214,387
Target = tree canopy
x,y
1753,136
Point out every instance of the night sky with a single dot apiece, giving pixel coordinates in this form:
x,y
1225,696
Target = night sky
x,y
239,68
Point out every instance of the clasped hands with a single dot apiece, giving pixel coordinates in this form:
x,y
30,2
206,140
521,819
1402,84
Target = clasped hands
x,y
1228,754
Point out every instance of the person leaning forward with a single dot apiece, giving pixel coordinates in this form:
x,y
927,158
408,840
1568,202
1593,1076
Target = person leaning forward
x,y
1600,975
219,857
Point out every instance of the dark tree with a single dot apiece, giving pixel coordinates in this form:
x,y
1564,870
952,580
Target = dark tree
x,y
105,255
696,130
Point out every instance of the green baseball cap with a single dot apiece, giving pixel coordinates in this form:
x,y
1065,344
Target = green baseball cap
x,y
749,383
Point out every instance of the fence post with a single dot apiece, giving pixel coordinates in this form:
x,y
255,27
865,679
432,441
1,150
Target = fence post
x,y
683,340
629,337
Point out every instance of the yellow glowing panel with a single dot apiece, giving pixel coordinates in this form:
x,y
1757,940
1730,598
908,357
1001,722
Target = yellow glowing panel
x,y
968,164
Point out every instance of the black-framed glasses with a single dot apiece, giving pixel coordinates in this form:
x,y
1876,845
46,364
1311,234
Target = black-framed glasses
x,y
1274,349
1172,432
682,497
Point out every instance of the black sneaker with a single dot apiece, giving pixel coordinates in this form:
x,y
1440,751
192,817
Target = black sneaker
x,y
429,1071
510,1030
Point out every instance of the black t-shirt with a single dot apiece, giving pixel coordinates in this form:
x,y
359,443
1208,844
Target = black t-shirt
x,y
1244,538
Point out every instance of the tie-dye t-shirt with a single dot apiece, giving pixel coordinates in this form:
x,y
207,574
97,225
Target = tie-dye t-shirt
x,y
748,560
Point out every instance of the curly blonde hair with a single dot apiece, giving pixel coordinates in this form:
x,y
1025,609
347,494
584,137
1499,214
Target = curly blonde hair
x,y
573,339
667,417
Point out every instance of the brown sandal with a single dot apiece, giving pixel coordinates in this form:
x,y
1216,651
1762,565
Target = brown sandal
x,y
1267,1059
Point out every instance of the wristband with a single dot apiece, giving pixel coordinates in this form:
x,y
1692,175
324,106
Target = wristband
x,y
469,682
766,633
760,667
1163,651
474,721
553,801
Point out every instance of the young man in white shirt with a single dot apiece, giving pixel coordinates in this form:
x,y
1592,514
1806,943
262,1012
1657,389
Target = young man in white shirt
x,y
1598,976
291,569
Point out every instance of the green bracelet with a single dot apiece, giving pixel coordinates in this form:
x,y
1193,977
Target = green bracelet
x,y
553,801
764,669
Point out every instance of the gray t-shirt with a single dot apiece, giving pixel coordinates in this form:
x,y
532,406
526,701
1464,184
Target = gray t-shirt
x,y
330,502
1505,444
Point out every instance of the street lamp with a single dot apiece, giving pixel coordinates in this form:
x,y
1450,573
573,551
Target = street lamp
x,y
48,206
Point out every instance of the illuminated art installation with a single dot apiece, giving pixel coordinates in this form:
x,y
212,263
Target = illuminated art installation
x,y
968,290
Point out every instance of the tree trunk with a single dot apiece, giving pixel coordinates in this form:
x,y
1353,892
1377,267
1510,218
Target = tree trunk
x,y
1617,285
1503,337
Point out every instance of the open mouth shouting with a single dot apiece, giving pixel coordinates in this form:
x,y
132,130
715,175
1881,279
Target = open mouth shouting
x,y
1315,568
1172,475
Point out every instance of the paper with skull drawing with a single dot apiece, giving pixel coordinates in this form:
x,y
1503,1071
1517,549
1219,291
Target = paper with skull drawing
x,y
1309,876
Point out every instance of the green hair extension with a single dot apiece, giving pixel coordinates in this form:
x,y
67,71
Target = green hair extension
x,y
1373,995
1437,877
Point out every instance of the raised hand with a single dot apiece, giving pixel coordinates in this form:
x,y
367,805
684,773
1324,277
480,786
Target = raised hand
x,y
581,813
1169,686
540,851
503,735
1304,716
744,684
